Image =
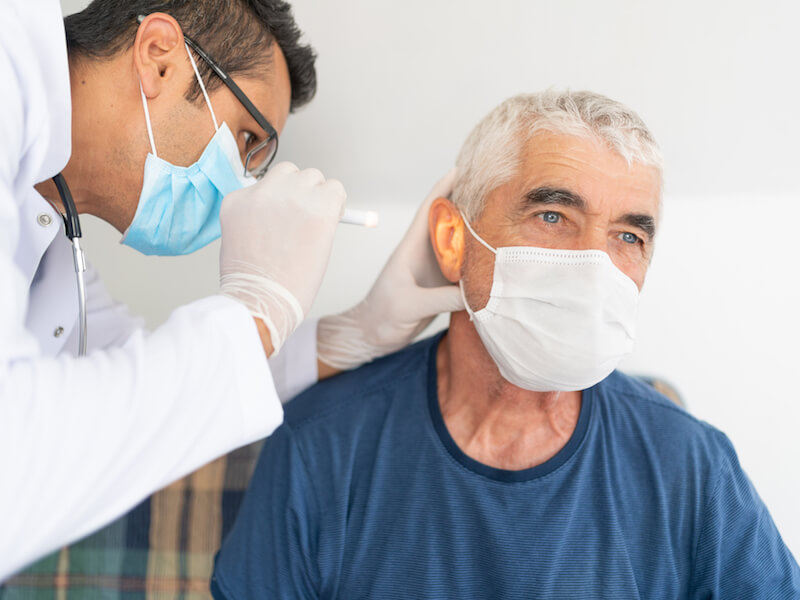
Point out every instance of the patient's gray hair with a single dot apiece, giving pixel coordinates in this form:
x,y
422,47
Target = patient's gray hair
x,y
491,154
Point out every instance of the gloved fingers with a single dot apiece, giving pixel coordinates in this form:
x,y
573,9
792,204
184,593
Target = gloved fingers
x,y
327,199
335,189
443,187
417,239
311,177
444,299
280,170
427,273
418,269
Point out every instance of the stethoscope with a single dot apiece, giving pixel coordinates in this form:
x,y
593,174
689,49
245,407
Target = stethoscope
x,y
72,226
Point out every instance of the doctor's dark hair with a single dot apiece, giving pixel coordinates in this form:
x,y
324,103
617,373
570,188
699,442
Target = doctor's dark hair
x,y
234,32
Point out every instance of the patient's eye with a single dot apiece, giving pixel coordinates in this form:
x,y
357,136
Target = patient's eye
x,y
550,217
630,238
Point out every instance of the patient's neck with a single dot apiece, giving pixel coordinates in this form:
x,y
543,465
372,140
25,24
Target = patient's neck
x,y
491,420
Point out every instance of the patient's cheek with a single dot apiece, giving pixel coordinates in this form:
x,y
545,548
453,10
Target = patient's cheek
x,y
476,276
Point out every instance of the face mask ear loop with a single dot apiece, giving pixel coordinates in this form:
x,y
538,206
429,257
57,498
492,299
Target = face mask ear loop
x,y
464,298
202,87
476,236
147,120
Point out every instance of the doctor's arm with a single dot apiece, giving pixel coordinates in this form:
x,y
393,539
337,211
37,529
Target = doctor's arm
x,y
111,325
84,440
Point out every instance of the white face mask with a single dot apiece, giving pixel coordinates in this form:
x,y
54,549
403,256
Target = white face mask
x,y
556,320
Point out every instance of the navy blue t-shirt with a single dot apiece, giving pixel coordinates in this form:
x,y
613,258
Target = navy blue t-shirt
x,y
362,493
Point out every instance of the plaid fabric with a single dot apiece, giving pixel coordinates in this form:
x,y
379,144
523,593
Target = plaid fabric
x,y
164,548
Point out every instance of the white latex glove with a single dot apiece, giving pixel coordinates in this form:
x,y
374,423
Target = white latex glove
x,y
276,241
408,294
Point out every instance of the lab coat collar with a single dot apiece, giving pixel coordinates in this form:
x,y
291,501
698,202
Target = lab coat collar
x,y
53,296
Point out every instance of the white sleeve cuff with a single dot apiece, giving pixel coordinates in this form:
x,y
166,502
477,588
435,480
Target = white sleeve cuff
x,y
259,408
295,368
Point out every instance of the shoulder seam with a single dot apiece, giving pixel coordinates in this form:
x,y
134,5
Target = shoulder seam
x,y
668,405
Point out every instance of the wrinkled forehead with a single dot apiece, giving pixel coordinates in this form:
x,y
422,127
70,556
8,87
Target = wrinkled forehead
x,y
584,168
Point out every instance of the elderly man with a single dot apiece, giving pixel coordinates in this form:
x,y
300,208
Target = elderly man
x,y
505,458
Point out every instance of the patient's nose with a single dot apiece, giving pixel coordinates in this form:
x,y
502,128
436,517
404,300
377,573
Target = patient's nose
x,y
595,237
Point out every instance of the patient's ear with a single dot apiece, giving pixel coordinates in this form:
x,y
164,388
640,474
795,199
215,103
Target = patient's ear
x,y
447,237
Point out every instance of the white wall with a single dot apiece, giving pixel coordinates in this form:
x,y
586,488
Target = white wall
x,y
401,84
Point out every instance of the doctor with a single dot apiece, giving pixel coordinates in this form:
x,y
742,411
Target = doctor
x,y
136,110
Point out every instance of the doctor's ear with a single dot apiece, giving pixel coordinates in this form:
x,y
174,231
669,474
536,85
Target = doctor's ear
x,y
447,237
158,52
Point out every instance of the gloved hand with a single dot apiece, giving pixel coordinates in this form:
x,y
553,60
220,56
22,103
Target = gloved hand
x,y
276,241
408,294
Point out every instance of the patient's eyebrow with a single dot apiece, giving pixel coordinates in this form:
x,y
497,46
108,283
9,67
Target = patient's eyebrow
x,y
646,223
551,195
564,197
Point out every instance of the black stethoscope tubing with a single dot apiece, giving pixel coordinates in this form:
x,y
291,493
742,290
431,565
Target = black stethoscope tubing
x,y
72,226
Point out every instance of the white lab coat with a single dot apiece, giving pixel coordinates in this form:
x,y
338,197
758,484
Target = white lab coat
x,y
84,440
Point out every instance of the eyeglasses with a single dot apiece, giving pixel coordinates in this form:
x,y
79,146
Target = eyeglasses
x,y
260,157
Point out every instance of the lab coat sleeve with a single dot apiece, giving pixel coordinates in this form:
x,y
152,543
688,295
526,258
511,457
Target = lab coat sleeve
x,y
295,366
84,440
111,324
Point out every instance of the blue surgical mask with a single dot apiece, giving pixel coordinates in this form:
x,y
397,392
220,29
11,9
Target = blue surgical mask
x,y
178,210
